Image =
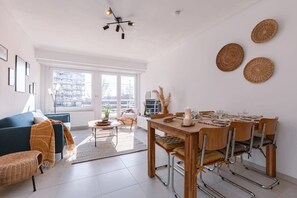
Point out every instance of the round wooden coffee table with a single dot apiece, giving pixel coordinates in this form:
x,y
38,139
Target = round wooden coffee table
x,y
113,125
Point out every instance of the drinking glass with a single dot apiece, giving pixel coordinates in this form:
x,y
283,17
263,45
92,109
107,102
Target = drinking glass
x,y
220,113
243,114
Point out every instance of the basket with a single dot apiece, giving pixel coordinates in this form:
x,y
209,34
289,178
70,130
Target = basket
x,y
230,57
264,31
258,70
100,123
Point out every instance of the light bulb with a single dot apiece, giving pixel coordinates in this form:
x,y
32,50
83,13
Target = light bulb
x,y
109,12
130,23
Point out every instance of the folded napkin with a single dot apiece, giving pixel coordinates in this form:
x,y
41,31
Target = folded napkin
x,y
214,124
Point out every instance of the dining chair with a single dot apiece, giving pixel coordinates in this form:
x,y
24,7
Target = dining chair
x,y
211,141
267,135
180,114
241,131
168,143
206,113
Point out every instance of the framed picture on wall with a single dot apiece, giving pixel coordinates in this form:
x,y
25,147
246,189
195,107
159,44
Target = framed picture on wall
x,y
3,53
30,88
34,88
11,76
27,69
20,74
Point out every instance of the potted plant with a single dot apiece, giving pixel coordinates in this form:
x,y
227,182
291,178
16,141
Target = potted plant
x,y
106,111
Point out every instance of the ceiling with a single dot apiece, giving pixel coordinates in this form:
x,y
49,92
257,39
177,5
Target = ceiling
x,y
76,25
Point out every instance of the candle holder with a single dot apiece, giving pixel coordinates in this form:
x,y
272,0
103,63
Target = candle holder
x,y
187,121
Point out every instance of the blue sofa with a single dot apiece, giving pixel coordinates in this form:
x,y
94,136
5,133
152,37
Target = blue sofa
x,y
15,132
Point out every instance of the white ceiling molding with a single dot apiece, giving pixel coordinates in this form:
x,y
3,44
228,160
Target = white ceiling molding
x,y
61,59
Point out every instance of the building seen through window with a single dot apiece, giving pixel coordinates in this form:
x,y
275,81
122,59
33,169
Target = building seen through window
x,y
75,88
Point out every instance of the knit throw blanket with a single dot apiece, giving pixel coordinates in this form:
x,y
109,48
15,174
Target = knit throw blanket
x,y
43,139
67,135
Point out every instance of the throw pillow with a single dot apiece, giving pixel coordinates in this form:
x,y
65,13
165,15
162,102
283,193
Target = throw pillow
x,y
39,117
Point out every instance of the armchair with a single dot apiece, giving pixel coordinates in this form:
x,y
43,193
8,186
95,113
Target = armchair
x,y
128,117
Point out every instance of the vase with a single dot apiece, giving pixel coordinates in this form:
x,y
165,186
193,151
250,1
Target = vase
x,y
165,110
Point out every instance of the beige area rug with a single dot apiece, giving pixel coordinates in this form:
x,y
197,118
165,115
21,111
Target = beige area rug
x,y
106,147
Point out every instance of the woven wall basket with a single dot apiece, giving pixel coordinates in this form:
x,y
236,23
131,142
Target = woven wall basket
x,y
230,57
258,70
264,31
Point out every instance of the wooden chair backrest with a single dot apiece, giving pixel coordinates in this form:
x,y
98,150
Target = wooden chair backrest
x,y
180,114
270,125
202,113
217,138
243,130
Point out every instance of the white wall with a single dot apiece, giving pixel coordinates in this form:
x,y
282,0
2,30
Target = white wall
x,y
191,75
18,43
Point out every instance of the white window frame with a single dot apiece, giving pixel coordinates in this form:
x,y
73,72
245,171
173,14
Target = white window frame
x,y
71,109
96,89
136,81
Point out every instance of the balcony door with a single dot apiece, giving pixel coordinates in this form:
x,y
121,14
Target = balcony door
x,y
117,93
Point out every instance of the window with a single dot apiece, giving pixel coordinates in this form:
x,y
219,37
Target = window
x,y
79,90
73,89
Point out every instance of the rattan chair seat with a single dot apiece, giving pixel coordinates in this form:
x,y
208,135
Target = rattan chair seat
x,y
210,157
257,142
238,149
169,142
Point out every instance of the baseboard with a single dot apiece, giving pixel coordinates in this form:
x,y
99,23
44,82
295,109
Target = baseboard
x,y
278,175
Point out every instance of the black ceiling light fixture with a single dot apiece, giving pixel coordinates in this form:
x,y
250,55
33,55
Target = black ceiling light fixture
x,y
106,27
118,22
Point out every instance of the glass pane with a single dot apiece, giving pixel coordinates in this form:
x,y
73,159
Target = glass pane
x,y
72,89
109,94
127,92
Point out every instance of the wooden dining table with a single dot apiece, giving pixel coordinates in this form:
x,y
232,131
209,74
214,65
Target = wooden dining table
x,y
190,136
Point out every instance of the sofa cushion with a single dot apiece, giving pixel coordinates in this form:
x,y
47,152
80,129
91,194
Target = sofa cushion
x,y
63,117
68,125
39,117
19,120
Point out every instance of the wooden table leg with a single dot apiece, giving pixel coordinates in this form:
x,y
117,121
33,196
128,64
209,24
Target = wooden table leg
x,y
271,160
191,150
151,150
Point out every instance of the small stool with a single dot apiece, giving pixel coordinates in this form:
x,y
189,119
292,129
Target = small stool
x,y
16,167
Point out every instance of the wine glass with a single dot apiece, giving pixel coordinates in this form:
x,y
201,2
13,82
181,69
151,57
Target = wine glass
x,y
243,114
220,113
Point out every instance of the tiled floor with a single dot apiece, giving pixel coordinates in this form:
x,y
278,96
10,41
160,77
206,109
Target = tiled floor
x,y
125,177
